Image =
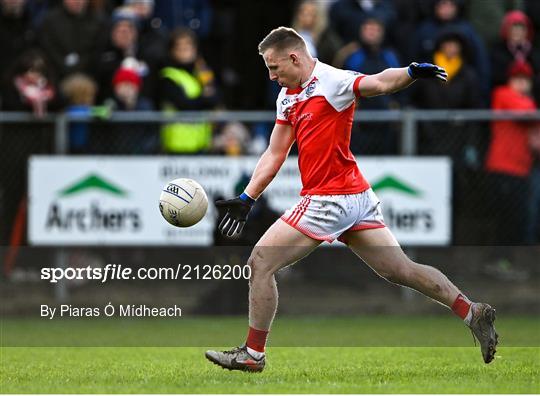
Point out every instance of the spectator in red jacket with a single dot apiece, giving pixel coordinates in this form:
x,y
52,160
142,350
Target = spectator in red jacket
x,y
509,158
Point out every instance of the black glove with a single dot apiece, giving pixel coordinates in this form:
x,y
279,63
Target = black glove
x,y
426,70
236,216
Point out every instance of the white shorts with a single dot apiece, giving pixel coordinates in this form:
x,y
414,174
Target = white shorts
x,y
327,217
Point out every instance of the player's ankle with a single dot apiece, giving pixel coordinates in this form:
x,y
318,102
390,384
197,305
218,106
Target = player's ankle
x,y
256,342
462,307
257,355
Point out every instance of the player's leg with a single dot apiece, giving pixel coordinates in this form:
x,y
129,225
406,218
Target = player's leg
x,y
381,251
279,247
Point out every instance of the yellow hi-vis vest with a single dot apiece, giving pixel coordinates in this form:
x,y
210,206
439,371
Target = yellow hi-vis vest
x,y
184,137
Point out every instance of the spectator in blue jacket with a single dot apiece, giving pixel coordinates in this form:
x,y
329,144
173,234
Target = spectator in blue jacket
x,y
372,57
346,16
193,14
446,16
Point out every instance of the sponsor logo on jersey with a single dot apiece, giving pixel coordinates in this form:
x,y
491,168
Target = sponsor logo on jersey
x,y
305,116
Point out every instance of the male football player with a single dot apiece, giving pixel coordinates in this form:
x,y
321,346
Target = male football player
x,y
315,108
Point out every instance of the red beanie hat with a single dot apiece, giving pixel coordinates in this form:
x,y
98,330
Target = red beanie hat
x,y
127,75
520,68
514,17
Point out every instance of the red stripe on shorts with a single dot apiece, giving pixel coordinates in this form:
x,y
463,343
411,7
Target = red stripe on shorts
x,y
297,212
302,211
296,209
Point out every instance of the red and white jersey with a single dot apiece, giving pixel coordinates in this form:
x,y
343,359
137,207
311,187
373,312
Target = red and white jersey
x,y
321,114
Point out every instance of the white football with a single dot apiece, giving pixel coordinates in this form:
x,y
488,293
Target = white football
x,y
183,202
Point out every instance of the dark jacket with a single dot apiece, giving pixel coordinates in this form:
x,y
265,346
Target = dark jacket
x,y
453,138
151,50
461,92
426,37
346,16
72,42
372,61
16,36
502,57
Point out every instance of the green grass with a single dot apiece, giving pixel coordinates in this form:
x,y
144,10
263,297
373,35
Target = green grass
x,y
444,330
409,368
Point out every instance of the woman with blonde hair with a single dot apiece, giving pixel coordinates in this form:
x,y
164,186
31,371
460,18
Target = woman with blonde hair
x,y
311,23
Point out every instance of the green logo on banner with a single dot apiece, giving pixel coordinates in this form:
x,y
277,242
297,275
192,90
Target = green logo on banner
x,y
392,183
92,182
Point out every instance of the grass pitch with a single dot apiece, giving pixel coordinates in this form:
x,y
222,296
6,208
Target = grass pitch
x,y
291,369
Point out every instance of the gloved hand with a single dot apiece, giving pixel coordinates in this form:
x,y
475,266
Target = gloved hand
x,y
426,70
236,216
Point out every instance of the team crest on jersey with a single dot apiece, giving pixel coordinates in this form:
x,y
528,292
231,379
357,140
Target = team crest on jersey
x,y
311,87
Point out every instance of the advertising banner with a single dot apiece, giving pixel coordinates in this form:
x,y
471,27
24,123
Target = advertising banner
x,y
113,200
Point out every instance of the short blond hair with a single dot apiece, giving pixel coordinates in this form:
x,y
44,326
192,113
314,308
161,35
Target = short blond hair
x,y
282,38
79,89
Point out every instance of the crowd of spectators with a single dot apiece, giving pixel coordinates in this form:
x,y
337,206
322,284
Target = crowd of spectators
x,y
98,56
97,37
477,42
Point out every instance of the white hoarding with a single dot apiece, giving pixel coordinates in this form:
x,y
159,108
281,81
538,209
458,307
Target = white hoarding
x,y
114,200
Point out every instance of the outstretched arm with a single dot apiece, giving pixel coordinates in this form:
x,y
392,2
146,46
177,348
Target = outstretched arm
x,y
395,79
267,168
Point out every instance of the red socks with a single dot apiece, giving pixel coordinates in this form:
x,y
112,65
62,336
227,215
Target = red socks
x,y
256,339
461,306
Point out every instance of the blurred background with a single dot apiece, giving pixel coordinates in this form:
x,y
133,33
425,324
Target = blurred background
x,y
125,95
